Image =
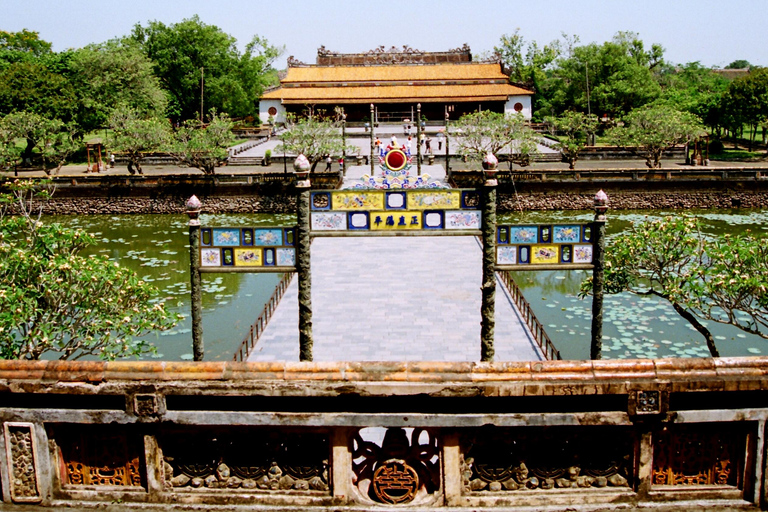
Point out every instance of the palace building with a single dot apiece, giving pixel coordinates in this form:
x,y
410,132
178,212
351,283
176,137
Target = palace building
x,y
394,81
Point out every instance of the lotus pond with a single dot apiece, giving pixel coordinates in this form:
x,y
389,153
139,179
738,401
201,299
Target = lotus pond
x,y
156,247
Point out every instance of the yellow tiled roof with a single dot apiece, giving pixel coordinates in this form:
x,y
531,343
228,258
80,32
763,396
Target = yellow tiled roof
x,y
467,71
396,93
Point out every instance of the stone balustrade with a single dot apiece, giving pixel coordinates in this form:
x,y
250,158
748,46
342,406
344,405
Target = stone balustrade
x,y
661,434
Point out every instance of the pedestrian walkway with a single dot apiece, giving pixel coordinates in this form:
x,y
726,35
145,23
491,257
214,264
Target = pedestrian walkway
x,y
395,299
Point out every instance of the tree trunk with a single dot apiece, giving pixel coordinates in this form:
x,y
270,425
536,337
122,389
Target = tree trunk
x,y
699,327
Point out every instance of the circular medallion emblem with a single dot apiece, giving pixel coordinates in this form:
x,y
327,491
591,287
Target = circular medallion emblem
x,y
396,160
518,107
272,111
395,482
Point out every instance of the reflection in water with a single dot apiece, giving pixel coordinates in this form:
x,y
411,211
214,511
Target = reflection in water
x,y
156,247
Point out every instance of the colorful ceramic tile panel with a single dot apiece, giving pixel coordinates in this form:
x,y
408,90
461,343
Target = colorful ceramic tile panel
x,y
566,234
328,221
523,234
582,253
363,200
248,257
463,219
399,220
543,254
226,237
285,257
210,257
506,255
268,237
426,200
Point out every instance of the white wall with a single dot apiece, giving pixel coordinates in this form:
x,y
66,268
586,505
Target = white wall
x,y
264,106
525,100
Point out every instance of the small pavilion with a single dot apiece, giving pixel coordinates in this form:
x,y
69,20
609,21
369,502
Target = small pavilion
x,y
394,81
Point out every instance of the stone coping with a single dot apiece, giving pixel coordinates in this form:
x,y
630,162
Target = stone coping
x,y
519,378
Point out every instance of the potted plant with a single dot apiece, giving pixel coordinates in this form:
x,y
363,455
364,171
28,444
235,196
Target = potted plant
x,y
267,158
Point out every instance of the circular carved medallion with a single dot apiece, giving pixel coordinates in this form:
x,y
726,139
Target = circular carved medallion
x,y
395,482
518,107
272,111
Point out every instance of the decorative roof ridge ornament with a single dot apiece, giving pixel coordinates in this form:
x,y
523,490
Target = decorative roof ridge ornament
x,y
295,63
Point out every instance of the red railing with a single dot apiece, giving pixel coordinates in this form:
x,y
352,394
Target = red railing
x,y
537,330
257,329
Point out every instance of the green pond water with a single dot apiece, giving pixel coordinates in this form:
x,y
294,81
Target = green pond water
x,y
156,247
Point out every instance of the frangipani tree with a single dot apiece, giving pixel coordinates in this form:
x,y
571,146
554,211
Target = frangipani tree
x,y
55,301
484,132
314,137
51,138
134,136
574,129
723,279
653,129
204,147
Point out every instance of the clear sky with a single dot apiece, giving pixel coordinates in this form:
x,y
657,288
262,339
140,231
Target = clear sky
x,y
714,33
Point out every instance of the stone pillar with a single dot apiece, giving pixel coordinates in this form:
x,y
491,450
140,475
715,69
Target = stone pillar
x,y
373,147
488,307
305,275
418,139
341,464
452,477
193,210
645,463
598,274
344,144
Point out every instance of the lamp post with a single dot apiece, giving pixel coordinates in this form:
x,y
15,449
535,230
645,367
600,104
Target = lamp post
x,y
193,210
303,186
418,139
598,274
372,143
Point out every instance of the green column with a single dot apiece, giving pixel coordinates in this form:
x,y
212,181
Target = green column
x,y
193,210
598,274
344,143
488,306
447,151
305,275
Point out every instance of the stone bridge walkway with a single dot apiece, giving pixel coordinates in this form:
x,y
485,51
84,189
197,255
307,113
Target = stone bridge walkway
x,y
395,299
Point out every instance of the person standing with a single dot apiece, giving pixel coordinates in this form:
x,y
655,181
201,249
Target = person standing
x,y
440,141
328,163
428,144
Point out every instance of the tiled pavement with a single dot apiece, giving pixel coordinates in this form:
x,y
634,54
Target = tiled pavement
x,y
395,299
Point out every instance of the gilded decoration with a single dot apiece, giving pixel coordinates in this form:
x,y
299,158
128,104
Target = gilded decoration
x,y
399,469
100,456
20,452
505,460
255,460
698,455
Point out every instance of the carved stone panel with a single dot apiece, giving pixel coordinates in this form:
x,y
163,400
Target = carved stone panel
x,y
245,460
21,453
398,468
101,455
519,459
704,454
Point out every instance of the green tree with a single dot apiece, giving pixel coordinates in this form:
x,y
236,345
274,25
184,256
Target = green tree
x,y
112,75
54,301
746,102
739,64
134,136
186,53
21,46
723,279
314,137
574,130
613,78
652,129
52,139
204,147
484,132
695,89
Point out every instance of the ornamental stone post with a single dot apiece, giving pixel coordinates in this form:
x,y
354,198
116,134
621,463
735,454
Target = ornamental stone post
x,y
598,274
193,210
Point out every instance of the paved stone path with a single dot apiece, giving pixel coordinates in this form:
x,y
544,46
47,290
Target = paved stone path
x,y
395,299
